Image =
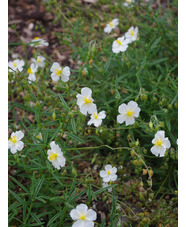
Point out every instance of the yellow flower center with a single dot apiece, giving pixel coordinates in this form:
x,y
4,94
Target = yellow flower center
x,y
130,113
52,156
82,217
108,172
14,64
158,142
118,42
87,100
95,115
38,60
58,72
111,24
29,71
132,33
129,1
38,137
36,38
13,139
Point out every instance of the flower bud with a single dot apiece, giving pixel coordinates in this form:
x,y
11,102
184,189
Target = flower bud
x,y
54,115
84,71
135,162
155,99
150,125
74,172
151,172
145,171
90,62
112,91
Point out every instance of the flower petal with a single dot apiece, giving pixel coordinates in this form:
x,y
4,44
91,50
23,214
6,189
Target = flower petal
x,y
91,215
121,118
86,91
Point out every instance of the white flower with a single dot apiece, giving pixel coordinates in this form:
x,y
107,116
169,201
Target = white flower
x,y
120,44
96,118
111,25
16,65
39,136
55,155
38,42
40,61
128,3
128,112
109,174
160,144
83,216
132,34
85,101
31,71
14,143
106,185
59,72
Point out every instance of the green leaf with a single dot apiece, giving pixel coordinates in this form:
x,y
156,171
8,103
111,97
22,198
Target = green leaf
x,y
19,184
64,104
75,137
79,195
154,45
73,124
55,217
104,189
38,186
16,196
56,132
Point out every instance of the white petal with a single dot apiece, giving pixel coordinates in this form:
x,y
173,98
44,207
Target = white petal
x,y
160,134
80,99
84,109
86,91
97,122
92,108
66,71
133,105
13,150
54,77
82,208
75,214
79,223
166,143
108,167
122,108
136,112
61,161
123,48
65,78
102,114
32,77
106,179
91,215
19,134
103,173
19,145
113,177
55,66
121,118
91,121
113,170
129,121
116,50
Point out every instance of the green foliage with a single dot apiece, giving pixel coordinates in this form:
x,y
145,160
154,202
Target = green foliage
x,y
39,194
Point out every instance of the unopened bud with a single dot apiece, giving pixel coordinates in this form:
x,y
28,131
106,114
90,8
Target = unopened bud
x,y
145,171
151,172
150,125
54,115
90,62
